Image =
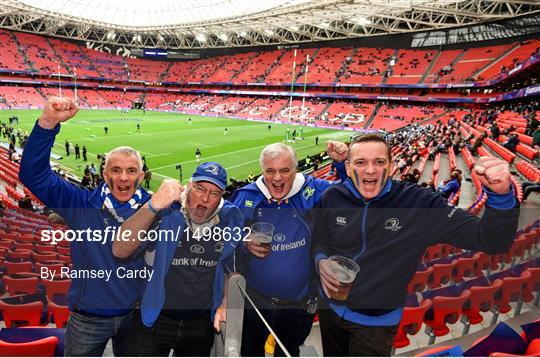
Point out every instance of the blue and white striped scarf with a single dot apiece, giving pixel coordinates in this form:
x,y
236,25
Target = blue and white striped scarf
x,y
120,211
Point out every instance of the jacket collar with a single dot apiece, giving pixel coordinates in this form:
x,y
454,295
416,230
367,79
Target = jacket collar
x,y
298,183
96,201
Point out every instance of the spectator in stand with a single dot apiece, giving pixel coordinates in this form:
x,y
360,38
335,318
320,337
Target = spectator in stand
x,y
495,131
477,143
428,185
101,310
15,157
532,124
415,175
509,130
2,208
96,180
26,203
511,143
401,164
536,137
86,181
452,185
530,187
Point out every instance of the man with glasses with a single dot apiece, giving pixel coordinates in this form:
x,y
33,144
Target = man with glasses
x,y
385,227
192,237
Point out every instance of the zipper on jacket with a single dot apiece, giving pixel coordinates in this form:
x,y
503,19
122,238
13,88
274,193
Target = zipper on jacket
x,y
363,230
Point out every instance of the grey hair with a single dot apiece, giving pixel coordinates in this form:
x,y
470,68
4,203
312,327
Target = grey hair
x,y
275,150
126,151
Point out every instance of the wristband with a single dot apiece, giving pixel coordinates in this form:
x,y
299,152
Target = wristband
x,y
154,211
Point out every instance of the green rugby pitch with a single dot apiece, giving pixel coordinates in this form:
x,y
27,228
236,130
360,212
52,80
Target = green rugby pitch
x,y
166,139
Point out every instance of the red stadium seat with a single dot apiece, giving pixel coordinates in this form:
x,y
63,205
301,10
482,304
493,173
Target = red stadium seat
x,y
20,254
432,253
41,348
56,287
483,263
26,314
56,266
63,250
442,274
27,238
511,291
444,310
481,300
59,313
17,286
41,248
66,259
532,285
411,323
420,280
23,246
533,349
464,268
46,256
14,267
6,244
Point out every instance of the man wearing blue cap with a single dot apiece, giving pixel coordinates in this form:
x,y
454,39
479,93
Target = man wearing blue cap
x,y
189,254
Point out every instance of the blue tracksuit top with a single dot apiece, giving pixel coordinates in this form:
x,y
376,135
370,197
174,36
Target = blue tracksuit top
x,y
250,198
172,219
388,235
82,209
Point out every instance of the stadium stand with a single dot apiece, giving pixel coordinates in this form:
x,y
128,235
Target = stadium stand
x,y
452,290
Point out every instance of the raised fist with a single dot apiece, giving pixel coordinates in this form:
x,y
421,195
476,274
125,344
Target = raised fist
x,y
494,174
57,110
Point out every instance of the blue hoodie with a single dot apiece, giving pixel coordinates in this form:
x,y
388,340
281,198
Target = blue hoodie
x,y
304,195
82,210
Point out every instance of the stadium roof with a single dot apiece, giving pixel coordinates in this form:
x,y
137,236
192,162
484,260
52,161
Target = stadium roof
x,y
190,24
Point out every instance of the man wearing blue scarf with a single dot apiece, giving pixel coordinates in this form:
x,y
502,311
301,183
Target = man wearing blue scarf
x,y
186,293
100,299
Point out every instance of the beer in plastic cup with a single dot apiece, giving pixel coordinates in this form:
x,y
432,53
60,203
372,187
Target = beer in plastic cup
x,y
345,271
263,233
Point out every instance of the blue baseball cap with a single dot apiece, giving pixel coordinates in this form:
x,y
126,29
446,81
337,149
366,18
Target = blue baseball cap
x,y
211,172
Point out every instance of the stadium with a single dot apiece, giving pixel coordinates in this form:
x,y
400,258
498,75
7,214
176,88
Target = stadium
x,y
444,83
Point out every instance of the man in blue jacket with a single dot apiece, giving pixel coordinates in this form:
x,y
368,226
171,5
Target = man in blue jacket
x,y
186,292
280,284
385,226
101,297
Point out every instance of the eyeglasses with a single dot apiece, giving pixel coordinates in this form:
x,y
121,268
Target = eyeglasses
x,y
214,194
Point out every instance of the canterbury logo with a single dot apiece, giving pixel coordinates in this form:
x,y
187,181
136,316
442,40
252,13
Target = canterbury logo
x,y
340,220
